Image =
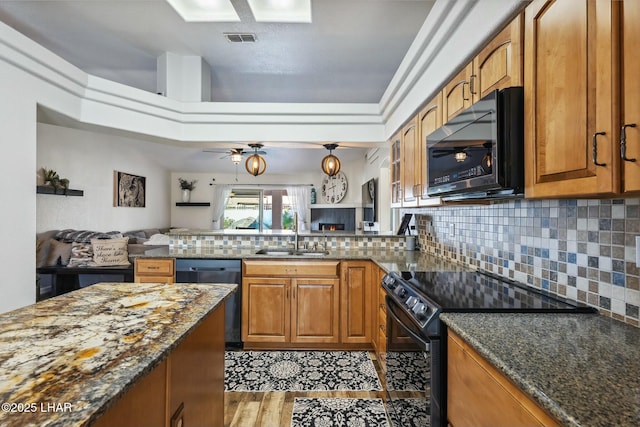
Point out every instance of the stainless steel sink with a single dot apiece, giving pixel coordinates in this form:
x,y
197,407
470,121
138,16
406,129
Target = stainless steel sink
x,y
274,252
312,253
286,252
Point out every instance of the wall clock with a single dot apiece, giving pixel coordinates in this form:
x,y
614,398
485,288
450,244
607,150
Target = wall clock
x,y
334,188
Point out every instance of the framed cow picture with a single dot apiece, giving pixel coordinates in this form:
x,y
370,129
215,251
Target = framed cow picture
x,y
128,190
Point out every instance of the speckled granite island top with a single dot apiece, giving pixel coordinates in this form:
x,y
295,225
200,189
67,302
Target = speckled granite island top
x,y
583,368
65,360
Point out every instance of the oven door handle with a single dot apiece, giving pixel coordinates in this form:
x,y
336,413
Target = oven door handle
x,y
424,344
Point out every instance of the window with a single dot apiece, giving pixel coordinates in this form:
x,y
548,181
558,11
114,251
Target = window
x,y
258,209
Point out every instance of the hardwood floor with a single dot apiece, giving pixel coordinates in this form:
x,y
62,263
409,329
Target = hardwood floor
x,y
273,409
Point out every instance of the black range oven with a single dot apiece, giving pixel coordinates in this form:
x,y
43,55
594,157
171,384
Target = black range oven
x,y
416,345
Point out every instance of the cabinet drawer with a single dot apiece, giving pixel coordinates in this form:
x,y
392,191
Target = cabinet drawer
x,y
291,268
154,266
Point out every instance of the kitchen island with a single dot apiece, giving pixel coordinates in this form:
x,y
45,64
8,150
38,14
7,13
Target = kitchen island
x,y
67,360
581,368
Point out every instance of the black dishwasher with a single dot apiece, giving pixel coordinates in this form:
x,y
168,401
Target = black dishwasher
x,y
218,271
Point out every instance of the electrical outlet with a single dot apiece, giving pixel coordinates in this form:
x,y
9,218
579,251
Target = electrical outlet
x,y
637,251
452,229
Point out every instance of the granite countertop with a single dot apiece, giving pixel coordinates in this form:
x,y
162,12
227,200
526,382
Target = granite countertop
x,y
583,368
387,259
65,360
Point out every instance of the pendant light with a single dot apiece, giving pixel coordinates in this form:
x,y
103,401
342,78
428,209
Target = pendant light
x,y
255,164
330,164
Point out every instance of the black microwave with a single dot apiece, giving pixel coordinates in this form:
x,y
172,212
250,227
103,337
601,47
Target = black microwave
x,y
480,152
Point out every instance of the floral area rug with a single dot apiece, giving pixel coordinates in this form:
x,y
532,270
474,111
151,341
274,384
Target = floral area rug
x,y
409,412
338,412
408,371
300,371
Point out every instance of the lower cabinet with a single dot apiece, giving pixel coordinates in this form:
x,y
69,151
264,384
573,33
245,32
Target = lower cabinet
x,y
188,385
479,395
301,306
356,311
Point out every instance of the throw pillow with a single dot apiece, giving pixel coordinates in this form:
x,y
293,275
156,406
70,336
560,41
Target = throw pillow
x,y
81,255
59,253
110,252
42,247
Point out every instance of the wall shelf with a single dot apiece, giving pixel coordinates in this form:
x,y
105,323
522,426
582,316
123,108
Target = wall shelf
x,y
193,204
47,189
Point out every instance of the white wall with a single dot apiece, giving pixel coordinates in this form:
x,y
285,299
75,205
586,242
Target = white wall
x,y
88,159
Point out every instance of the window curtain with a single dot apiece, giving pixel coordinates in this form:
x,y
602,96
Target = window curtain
x,y
299,197
221,194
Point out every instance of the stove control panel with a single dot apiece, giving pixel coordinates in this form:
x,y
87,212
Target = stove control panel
x,y
411,302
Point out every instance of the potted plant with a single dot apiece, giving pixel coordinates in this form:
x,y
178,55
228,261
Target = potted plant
x,y
187,186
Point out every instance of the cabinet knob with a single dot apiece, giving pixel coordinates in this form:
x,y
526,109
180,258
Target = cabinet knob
x,y
623,142
594,144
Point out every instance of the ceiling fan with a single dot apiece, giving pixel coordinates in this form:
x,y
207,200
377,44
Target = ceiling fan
x,y
235,154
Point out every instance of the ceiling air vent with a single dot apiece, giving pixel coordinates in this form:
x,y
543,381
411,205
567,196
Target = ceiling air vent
x,y
240,37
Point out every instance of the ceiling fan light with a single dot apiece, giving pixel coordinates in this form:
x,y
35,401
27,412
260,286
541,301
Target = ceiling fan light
x,y
236,158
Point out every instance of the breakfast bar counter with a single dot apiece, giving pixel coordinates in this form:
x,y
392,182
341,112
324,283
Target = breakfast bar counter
x,y
66,360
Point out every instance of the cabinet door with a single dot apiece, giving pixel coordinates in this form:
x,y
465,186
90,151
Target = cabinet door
x,y
568,99
479,395
429,119
143,405
410,154
315,310
396,169
196,375
499,64
265,309
356,289
456,95
631,92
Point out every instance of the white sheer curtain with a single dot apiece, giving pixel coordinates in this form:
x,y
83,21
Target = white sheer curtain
x,y
221,194
299,197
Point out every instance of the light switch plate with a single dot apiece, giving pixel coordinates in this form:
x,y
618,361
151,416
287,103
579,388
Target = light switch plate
x,y
637,251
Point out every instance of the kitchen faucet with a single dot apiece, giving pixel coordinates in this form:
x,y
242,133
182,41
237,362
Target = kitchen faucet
x,y
295,230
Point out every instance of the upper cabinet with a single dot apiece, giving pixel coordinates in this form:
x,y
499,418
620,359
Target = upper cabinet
x,y
499,63
630,121
410,164
497,66
396,169
429,119
456,95
580,113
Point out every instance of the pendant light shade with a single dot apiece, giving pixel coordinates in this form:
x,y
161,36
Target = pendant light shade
x,y
330,164
255,164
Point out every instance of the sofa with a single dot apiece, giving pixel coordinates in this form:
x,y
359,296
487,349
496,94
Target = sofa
x,y
69,259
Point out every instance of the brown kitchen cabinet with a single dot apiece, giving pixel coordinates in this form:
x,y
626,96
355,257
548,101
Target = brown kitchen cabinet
x,y
580,90
188,385
356,287
410,163
297,305
630,62
154,270
479,395
498,65
456,95
396,170
429,119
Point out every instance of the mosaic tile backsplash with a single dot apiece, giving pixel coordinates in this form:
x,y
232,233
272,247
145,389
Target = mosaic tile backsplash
x,y
583,250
